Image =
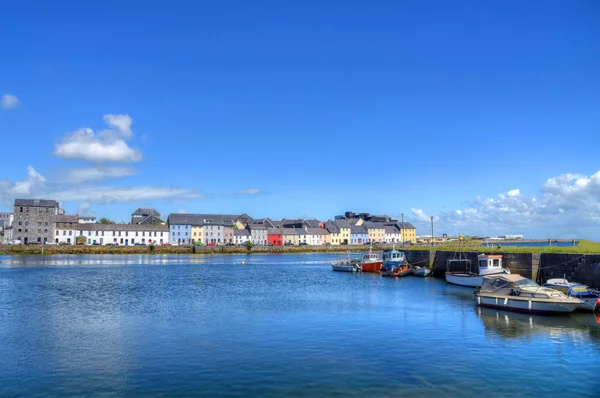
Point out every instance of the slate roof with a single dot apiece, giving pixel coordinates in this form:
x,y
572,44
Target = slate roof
x,y
358,230
405,225
373,225
64,218
317,231
256,226
201,219
241,232
331,227
391,230
342,223
36,202
290,231
146,212
311,223
273,231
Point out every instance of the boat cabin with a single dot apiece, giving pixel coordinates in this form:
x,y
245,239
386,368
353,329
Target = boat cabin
x,y
489,261
394,255
370,257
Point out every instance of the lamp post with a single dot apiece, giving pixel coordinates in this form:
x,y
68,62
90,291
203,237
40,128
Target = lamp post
x,y
431,231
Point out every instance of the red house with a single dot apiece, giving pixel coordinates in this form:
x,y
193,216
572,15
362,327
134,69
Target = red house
x,y
274,237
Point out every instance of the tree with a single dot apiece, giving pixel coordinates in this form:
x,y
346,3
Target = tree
x,y
80,240
105,220
249,245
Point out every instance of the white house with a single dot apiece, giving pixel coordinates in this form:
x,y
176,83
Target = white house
x,y
392,235
241,236
123,234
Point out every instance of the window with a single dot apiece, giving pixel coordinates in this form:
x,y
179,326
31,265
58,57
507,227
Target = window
x,y
20,222
19,230
20,211
45,230
26,230
26,223
70,233
46,224
39,223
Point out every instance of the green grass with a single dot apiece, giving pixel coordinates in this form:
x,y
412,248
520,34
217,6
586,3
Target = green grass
x,y
584,247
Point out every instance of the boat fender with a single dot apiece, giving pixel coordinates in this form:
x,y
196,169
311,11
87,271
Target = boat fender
x,y
505,300
529,304
478,300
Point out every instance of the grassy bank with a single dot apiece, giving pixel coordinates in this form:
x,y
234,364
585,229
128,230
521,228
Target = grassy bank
x,y
584,247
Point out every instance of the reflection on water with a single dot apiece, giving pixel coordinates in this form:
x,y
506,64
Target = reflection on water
x,y
280,325
581,327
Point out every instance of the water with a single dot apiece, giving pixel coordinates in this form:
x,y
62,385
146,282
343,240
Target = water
x,y
281,325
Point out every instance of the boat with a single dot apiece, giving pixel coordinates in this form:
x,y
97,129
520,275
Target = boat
x,y
421,271
591,301
371,262
347,265
394,264
488,264
516,293
396,271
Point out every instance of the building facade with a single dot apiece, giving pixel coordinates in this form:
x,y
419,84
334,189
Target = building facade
x,y
258,231
123,234
65,229
407,231
358,235
392,235
241,236
274,237
146,217
34,220
6,220
180,229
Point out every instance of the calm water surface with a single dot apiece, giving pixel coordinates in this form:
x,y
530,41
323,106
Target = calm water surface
x,y
281,325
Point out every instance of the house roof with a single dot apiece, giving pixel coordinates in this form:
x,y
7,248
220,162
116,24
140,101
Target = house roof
x,y
201,219
317,231
312,223
65,218
146,212
36,202
331,227
341,223
405,225
373,225
256,225
290,231
391,230
358,230
273,231
241,232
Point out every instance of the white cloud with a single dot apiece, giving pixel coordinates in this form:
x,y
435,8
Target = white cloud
x,y
121,123
35,185
80,175
10,101
182,211
109,194
106,146
250,191
32,184
567,205
420,215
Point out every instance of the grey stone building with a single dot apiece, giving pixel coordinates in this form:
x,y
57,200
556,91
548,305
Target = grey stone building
x,y
258,232
34,220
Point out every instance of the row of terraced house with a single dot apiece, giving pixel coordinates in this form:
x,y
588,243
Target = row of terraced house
x,y
43,221
219,229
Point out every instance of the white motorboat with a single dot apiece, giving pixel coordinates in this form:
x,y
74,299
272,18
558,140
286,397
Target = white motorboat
x,y
347,265
591,301
488,264
421,271
517,293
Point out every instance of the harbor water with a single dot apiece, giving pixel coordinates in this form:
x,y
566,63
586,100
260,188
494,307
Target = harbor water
x,y
278,325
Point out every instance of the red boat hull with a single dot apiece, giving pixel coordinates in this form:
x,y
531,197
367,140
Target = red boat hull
x,y
372,267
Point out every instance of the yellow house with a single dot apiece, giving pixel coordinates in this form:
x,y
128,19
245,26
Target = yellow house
x,y
376,231
339,231
290,235
408,232
198,234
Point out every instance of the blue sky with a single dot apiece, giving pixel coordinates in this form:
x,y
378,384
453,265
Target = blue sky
x,y
290,109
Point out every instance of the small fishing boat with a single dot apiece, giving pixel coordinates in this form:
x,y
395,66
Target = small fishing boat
x,y
516,293
394,264
371,262
421,271
347,265
488,264
395,271
590,300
